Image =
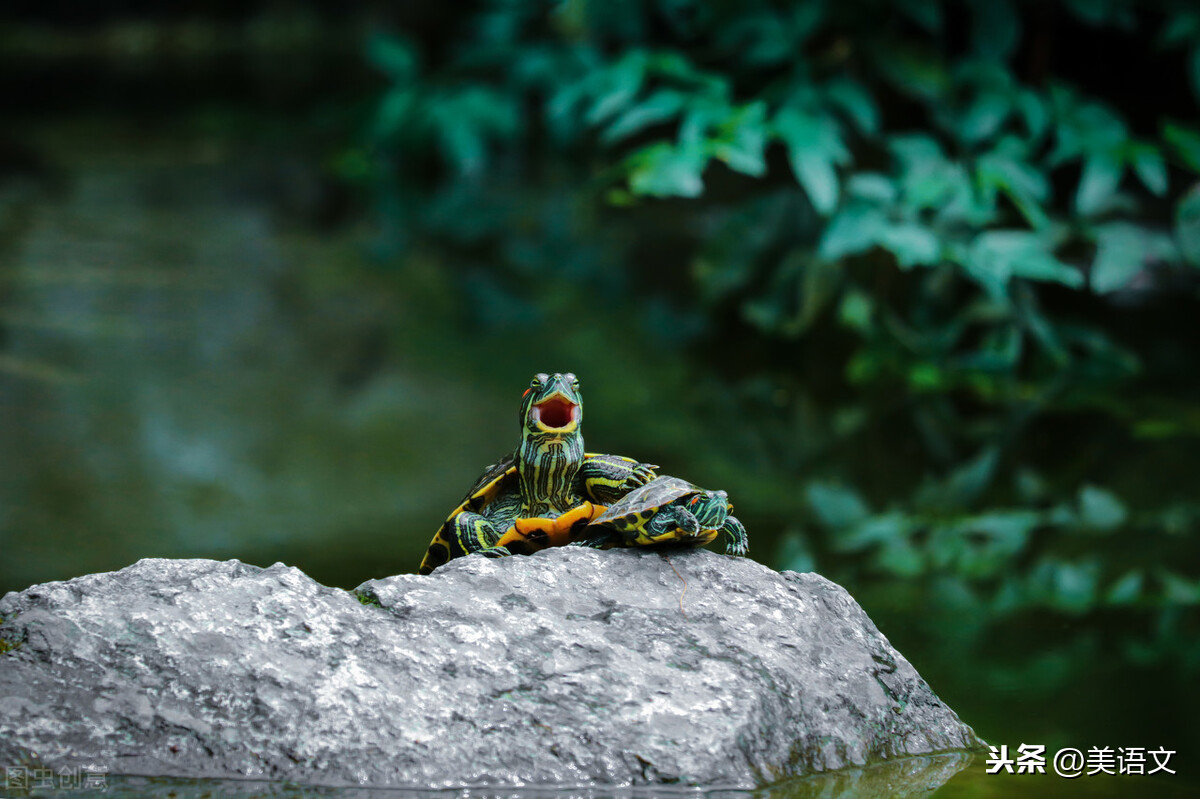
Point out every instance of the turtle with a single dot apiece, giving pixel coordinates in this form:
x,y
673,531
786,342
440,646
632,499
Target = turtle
x,y
546,491
668,510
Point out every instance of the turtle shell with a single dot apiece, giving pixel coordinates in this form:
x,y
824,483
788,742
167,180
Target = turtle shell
x,y
486,482
656,494
497,478
498,481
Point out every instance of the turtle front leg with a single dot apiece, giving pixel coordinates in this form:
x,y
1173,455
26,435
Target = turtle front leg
x,y
607,478
672,523
737,542
474,533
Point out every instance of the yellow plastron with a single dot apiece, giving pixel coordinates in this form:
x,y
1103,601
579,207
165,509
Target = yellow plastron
x,y
537,533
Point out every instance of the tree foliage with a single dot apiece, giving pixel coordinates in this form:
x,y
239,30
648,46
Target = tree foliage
x,y
902,189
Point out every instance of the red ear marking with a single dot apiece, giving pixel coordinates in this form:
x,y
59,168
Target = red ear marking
x,y
526,394
694,500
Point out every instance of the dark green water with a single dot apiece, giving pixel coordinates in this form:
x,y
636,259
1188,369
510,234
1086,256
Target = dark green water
x,y
948,776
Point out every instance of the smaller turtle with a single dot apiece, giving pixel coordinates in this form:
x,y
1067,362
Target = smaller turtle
x,y
668,510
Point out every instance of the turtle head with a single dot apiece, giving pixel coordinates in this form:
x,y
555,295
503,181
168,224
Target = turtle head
x,y
710,508
552,406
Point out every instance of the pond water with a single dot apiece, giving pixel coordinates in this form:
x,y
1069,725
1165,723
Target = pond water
x,y
946,776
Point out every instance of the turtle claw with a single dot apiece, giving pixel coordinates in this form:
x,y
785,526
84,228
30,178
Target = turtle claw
x,y
495,552
642,474
737,542
673,524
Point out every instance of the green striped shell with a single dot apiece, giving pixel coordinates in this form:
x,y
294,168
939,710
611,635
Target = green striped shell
x,y
640,504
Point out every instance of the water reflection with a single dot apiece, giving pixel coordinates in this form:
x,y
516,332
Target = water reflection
x,y
912,776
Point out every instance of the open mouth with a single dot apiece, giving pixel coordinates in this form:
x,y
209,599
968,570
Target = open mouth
x,y
554,413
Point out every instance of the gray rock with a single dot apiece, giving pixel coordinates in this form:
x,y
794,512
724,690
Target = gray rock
x,y
569,667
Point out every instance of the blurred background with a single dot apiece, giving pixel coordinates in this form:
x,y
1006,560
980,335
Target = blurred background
x,y
916,282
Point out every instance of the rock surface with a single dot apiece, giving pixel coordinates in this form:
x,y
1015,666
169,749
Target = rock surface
x,y
569,667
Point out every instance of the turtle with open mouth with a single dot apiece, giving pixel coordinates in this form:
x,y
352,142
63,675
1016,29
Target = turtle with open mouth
x,y
544,493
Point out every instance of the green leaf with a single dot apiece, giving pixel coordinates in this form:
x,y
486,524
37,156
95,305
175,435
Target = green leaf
x,y
1101,177
1150,168
1036,323
1008,531
963,485
673,64
928,178
911,244
882,529
561,108
617,86
836,506
1030,486
795,554
997,255
764,38
901,558
871,186
657,108
968,481
927,377
984,116
1126,590
1186,144
1118,13
465,119
1005,169
663,170
1075,586
918,72
395,110
856,311
984,545
814,147
1085,129
1032,109
702,116
1100,509
1119,256
850,96
742,140
1180,590
395,57
855,229
1043,266
1187,225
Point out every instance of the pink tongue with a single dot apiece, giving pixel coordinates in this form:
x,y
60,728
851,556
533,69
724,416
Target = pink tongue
x,y
555,413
